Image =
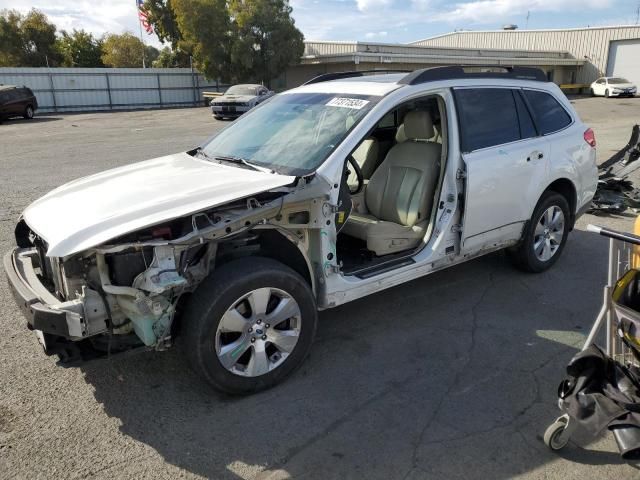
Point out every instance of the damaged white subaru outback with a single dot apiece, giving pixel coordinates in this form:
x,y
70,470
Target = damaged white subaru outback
x,y
341,188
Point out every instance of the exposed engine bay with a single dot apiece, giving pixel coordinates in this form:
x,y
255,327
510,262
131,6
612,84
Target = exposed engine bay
x,y
126,294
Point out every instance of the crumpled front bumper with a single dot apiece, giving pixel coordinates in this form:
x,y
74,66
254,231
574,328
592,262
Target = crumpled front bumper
x,y
35,301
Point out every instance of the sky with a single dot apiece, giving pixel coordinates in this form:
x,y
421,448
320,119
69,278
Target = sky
x,y
367,20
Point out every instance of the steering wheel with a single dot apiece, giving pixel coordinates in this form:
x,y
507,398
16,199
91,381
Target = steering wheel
x,y
359,176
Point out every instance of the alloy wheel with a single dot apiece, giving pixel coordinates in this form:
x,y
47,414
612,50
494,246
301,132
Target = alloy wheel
x,y
258,332
549,233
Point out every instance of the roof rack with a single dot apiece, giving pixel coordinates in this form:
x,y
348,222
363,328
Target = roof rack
x,y
444,73
349,74
473,71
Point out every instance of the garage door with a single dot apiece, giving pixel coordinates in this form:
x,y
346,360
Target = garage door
x,y
624,60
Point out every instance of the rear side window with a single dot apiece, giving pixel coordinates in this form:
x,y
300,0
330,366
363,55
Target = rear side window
x,y
550,115
488,117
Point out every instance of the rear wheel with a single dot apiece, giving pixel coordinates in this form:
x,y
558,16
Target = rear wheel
x,y
249,325
28,112
593,94
606,93
545,235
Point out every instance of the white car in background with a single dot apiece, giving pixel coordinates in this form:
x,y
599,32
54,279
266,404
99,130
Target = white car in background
x,y
613,87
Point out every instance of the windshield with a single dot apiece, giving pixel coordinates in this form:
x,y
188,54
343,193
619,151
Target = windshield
x,y
291,133
618,80
241,90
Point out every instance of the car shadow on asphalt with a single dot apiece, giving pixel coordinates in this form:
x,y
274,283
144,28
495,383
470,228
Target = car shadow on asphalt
x,y
38,119
450,376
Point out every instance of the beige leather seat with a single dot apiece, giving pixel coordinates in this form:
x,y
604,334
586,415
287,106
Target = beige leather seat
x,y
399,195
401,137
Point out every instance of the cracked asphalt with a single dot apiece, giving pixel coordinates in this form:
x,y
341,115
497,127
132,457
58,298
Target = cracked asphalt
x,y
451,376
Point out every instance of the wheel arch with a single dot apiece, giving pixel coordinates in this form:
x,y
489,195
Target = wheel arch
x,y
282,246
273,243
567,189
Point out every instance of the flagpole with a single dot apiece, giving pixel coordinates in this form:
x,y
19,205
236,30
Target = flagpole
x,y
141,37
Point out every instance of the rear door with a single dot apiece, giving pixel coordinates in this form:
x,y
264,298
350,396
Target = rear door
x,y
505,159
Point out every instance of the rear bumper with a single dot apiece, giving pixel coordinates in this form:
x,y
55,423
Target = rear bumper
x,y
37,304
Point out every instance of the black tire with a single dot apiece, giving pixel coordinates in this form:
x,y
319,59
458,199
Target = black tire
x,y
593,94
523,255
210,302
217,117
606,93
28,112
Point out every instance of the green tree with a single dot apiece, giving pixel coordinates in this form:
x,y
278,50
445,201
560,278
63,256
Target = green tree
x,y
27,40
122,51
80,49
267,40
235,40
151,54
206,31
171,59
10,39
162,16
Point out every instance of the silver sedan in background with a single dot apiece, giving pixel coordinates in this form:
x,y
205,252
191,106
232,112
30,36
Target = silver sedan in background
x,y
239,99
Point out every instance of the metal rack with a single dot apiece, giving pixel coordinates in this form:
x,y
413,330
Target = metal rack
x,y
622,257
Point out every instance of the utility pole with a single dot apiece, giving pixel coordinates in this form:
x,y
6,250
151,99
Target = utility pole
x,y
638,14
526,27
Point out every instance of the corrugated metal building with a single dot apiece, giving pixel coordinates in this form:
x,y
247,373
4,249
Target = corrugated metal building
x,y
576,55
324,57
606,50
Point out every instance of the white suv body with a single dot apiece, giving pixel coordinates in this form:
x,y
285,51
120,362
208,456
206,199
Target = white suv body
x,y
374,181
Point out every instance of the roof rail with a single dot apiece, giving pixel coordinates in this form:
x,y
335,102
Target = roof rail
x,y
473,71
349,74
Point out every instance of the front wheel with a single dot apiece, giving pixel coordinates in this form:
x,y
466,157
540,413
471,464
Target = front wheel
x,y
545,235
249,325
606,93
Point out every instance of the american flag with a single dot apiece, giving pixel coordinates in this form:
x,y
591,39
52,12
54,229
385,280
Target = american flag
x,y
144,17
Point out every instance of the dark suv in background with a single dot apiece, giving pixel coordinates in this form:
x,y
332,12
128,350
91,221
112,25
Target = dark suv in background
x,y
17,102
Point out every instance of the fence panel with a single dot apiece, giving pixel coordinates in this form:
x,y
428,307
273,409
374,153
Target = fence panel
x,y
93,89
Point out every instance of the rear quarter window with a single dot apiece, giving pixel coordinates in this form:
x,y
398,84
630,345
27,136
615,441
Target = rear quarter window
x,y
549,114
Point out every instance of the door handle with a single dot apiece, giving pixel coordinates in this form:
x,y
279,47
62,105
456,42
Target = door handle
x,y
538,155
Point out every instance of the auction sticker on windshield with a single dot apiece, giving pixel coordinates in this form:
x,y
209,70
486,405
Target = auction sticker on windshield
x,y
353,103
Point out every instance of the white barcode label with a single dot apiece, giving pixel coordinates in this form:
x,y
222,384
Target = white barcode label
x,y
353,103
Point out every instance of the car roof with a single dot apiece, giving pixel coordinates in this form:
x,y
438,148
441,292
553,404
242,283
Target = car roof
x,y
8,87
250,85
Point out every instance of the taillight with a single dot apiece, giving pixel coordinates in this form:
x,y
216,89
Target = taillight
x,y
590,137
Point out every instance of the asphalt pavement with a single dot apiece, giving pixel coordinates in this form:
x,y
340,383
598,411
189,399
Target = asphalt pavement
x,y
451,376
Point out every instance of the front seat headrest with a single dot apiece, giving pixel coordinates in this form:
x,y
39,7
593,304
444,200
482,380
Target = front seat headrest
x,y
418,125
